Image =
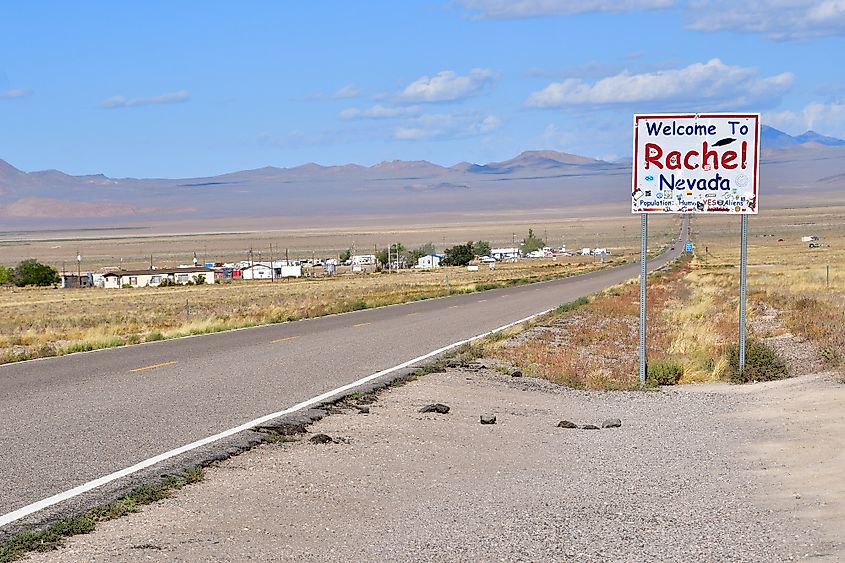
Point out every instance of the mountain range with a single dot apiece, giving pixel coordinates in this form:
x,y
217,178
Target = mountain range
x,y
794,168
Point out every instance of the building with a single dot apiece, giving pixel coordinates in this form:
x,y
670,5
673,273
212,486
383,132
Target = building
x,y
264,271
505,253
364,260
151,278
429,261
69,281
257,271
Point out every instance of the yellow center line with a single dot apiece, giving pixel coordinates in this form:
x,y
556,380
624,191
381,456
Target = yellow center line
x,y
482,300
153,366
412,314
454,306
283,339
361,324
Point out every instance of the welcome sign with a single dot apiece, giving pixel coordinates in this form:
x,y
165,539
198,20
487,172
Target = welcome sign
x,y
696,163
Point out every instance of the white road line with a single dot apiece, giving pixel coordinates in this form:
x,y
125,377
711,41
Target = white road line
x,y
91,485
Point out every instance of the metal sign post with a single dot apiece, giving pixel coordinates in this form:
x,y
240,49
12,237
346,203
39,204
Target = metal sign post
x,y
643,271
743,261
695,163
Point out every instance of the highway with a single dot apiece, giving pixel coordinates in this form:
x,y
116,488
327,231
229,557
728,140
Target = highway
x,y
66,421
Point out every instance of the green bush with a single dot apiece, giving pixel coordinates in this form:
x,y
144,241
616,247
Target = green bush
x,y
572,305
664,372
359,305
761,364
32,272
154,337
831,356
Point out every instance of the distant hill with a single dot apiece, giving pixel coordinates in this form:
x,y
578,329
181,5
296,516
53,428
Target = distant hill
x,y
772,138
807,164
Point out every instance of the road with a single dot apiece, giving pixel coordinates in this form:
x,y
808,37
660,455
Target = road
x,y
69,420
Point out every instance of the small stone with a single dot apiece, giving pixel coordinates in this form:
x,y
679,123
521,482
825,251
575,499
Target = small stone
x,y
488,419
439,408
589,427
516,373
363,410
566,424
797,496
611,423
321,439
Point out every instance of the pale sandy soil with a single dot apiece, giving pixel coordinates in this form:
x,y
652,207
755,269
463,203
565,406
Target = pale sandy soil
x,y
707,473
173,244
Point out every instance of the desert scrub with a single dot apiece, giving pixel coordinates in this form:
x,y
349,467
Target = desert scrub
x,y
69,320
664,372
593,343
761,364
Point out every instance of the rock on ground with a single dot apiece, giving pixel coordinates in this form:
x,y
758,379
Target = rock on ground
x,y
705,473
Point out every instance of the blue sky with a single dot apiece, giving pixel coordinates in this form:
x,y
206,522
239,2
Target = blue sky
x,y
179,89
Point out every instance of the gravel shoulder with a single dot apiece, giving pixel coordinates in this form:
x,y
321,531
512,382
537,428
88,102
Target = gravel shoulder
x,y
709,473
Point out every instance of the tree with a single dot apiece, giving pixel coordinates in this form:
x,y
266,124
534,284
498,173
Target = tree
x,y
459,255
345,255
531,242
32,272
481,248
425,250
6,274
397,249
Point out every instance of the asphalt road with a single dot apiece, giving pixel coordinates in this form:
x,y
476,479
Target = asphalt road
x,y
68,420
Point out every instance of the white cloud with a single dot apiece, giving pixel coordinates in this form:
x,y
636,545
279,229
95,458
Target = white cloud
x,y
700,86
508,9
827,119
447,126
348,91
446,86
379,111
777,19
168,98
16,93
342,93
555,136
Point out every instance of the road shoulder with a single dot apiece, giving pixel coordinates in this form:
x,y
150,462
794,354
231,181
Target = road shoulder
x,y
679,480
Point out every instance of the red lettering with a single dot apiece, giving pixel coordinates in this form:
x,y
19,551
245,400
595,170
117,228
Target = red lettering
x,y
673,160
708,154
708,158
687,158
653,152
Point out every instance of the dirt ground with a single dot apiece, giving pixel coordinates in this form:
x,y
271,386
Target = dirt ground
x,y
700,472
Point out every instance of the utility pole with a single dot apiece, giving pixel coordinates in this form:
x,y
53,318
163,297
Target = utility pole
x,y
272,266
78,268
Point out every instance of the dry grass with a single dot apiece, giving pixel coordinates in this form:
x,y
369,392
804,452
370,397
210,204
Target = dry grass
x,y
38,322
693,310
596,346
788,275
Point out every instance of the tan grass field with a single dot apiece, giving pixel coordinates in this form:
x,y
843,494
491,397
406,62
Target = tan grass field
x,y
37,322
693,316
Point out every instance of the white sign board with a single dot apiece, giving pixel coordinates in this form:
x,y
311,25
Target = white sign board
x,y
696,163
